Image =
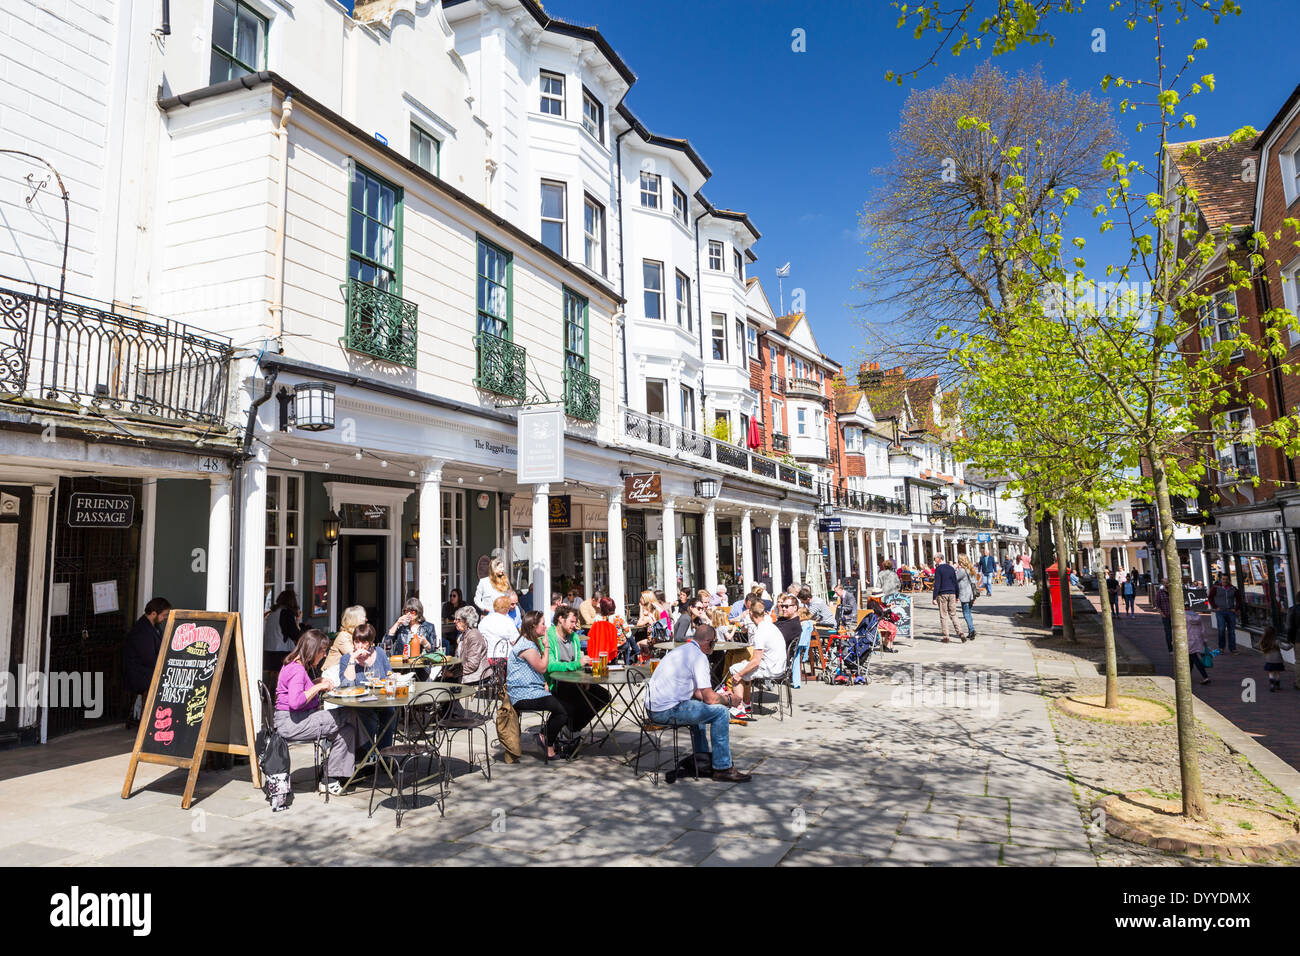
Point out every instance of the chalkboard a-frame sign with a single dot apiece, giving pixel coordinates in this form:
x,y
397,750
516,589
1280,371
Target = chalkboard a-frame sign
x,y
196,704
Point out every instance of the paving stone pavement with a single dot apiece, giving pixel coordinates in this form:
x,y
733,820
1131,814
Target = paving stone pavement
x,y
1272,718
948,757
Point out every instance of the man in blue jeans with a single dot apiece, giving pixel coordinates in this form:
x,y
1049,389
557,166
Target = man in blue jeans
x,y
681,693
1224,599
988,567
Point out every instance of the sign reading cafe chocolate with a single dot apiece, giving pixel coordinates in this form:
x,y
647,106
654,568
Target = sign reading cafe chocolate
x,y
643,489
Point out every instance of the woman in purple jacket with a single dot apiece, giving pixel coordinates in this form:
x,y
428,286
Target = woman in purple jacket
x,y
298,713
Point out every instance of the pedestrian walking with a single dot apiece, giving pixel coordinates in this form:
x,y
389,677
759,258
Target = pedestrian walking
x,y
1027,568
1166,619
966,591
945,596
1272,649
988,567
1196,647
1225,599
1129,590
1112,591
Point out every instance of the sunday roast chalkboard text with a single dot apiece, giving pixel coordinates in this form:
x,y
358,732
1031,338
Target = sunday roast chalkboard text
x,y
191,683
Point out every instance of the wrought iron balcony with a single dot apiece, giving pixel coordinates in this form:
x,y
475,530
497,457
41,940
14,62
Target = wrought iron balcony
x,y
860,500
777,383
500,368
581,395
66,351
380,324
780,442
689,444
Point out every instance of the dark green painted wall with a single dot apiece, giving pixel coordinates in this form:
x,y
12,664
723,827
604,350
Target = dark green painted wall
x,y
180,527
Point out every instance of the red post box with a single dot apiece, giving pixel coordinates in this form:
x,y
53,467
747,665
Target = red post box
x,y
1054,590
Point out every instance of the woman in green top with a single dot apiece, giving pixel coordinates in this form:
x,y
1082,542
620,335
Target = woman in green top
x,y
565,654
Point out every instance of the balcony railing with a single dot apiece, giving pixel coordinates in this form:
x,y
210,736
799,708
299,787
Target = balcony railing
x,y
66,351
500,368
380,324
777,383
693,445
581,395
780,442
805,386
860,500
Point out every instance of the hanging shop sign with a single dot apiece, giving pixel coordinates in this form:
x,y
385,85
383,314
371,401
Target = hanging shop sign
x,y
983,537
829,525
646,489
541,446
561,511
95,509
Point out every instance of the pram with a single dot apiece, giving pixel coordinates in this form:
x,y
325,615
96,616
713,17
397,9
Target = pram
x,y
848,656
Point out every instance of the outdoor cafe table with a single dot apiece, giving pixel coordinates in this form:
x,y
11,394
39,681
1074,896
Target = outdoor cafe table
x,y
622,695
717,645
407,665
376,701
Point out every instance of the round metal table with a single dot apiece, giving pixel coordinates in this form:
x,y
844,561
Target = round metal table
x,y
717,645
621,698
373,700
406,665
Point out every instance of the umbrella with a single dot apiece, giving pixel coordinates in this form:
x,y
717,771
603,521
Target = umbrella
x,y
754,439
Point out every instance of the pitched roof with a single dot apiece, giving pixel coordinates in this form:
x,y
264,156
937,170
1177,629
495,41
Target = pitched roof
x,y
920,392
1223,194
785,323
847,400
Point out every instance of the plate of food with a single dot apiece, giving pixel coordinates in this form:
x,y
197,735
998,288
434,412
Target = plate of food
x,y
348,691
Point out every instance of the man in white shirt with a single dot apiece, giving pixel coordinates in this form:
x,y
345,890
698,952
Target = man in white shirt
x,y
680,692
498,630
766,658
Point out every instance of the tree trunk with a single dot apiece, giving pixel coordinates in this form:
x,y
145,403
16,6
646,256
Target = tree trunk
x,y
1188,759
1107,622
1063,575
1042,557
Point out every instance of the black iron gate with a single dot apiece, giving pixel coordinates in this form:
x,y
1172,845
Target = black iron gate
x,y
83,641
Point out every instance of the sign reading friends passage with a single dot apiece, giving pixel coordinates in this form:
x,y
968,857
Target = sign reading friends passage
x,y
643,489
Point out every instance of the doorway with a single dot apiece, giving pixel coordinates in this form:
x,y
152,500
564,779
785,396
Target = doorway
x,y
96,572
364,573
762,559
788,573
15,541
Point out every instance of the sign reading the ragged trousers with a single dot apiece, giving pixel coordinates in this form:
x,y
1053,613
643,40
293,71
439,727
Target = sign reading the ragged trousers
x,y
95,509
541,446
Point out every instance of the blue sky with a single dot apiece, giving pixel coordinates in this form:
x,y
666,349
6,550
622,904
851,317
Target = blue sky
x,y
792,138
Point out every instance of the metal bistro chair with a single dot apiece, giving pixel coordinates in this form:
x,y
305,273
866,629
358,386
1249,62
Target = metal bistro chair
x,y
422,737
460,720
651,732
320,746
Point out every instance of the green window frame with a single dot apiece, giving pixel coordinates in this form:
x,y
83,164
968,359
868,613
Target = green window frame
x,y
576,326
244,31
374,231
426,150
495,290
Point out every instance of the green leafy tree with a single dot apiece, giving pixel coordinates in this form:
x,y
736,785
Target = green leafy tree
x,y
1140,343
